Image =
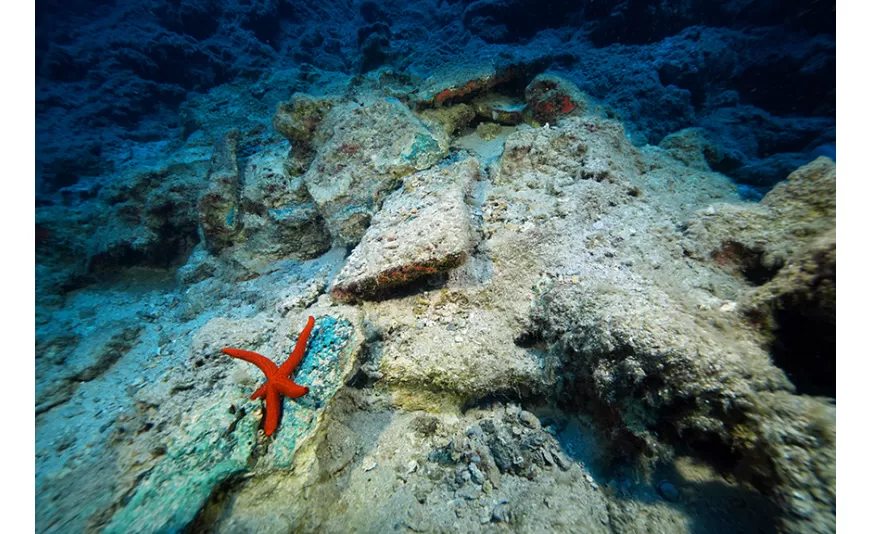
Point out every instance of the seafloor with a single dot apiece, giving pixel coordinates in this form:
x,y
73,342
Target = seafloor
x,y
565,277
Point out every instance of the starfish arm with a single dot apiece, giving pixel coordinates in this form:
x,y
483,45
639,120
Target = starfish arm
x,y
273,409
288,388
260,393
298,351
269,369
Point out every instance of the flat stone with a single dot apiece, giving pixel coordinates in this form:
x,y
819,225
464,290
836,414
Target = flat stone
x,y
372,147
423,229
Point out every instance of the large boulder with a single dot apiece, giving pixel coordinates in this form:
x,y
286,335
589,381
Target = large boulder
x,y
422,230
369,150
211,440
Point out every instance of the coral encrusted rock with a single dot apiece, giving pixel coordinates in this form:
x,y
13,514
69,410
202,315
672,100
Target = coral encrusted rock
x,y
551,97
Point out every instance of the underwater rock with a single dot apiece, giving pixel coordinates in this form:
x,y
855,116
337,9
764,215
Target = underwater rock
x,y
461,83
216,437
143,216
267,183
448,119
422,230
809,194
65,361
371,148
488,130
635,346
650,360
586,148
152,216
798,310
200,266
551,97
693,147
789,443
279,218
218,205
499,108
756,240
298,120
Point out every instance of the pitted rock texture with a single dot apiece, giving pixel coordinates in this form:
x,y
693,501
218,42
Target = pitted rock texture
x,y
369,149
423,229
279,217
218,206
755,240
581,148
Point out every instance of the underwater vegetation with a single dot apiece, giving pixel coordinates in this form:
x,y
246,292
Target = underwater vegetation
x,y
557,267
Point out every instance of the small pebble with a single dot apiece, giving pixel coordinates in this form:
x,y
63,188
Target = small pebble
x,y
668,491
500,514
476,474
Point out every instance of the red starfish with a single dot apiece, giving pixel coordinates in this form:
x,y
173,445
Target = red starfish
x,y
277,378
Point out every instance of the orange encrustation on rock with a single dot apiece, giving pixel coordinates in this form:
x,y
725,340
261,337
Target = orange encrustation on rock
x,y
277,378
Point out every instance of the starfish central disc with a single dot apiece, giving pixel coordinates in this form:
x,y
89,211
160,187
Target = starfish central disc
x,y
277,378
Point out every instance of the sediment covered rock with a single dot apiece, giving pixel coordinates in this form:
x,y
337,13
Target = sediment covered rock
x,y
422,230
369,150
279,217
218,206
298,120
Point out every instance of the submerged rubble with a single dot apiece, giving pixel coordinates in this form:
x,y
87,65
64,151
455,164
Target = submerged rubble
x,y
525,341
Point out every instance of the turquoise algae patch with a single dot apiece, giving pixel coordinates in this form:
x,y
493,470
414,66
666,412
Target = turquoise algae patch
x,y
424,152
171,494
324,369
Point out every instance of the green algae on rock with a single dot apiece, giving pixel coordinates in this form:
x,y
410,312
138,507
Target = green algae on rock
x,y
169,496
333,350
217,443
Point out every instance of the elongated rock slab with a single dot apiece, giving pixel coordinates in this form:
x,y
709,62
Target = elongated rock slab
x,y
423,229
